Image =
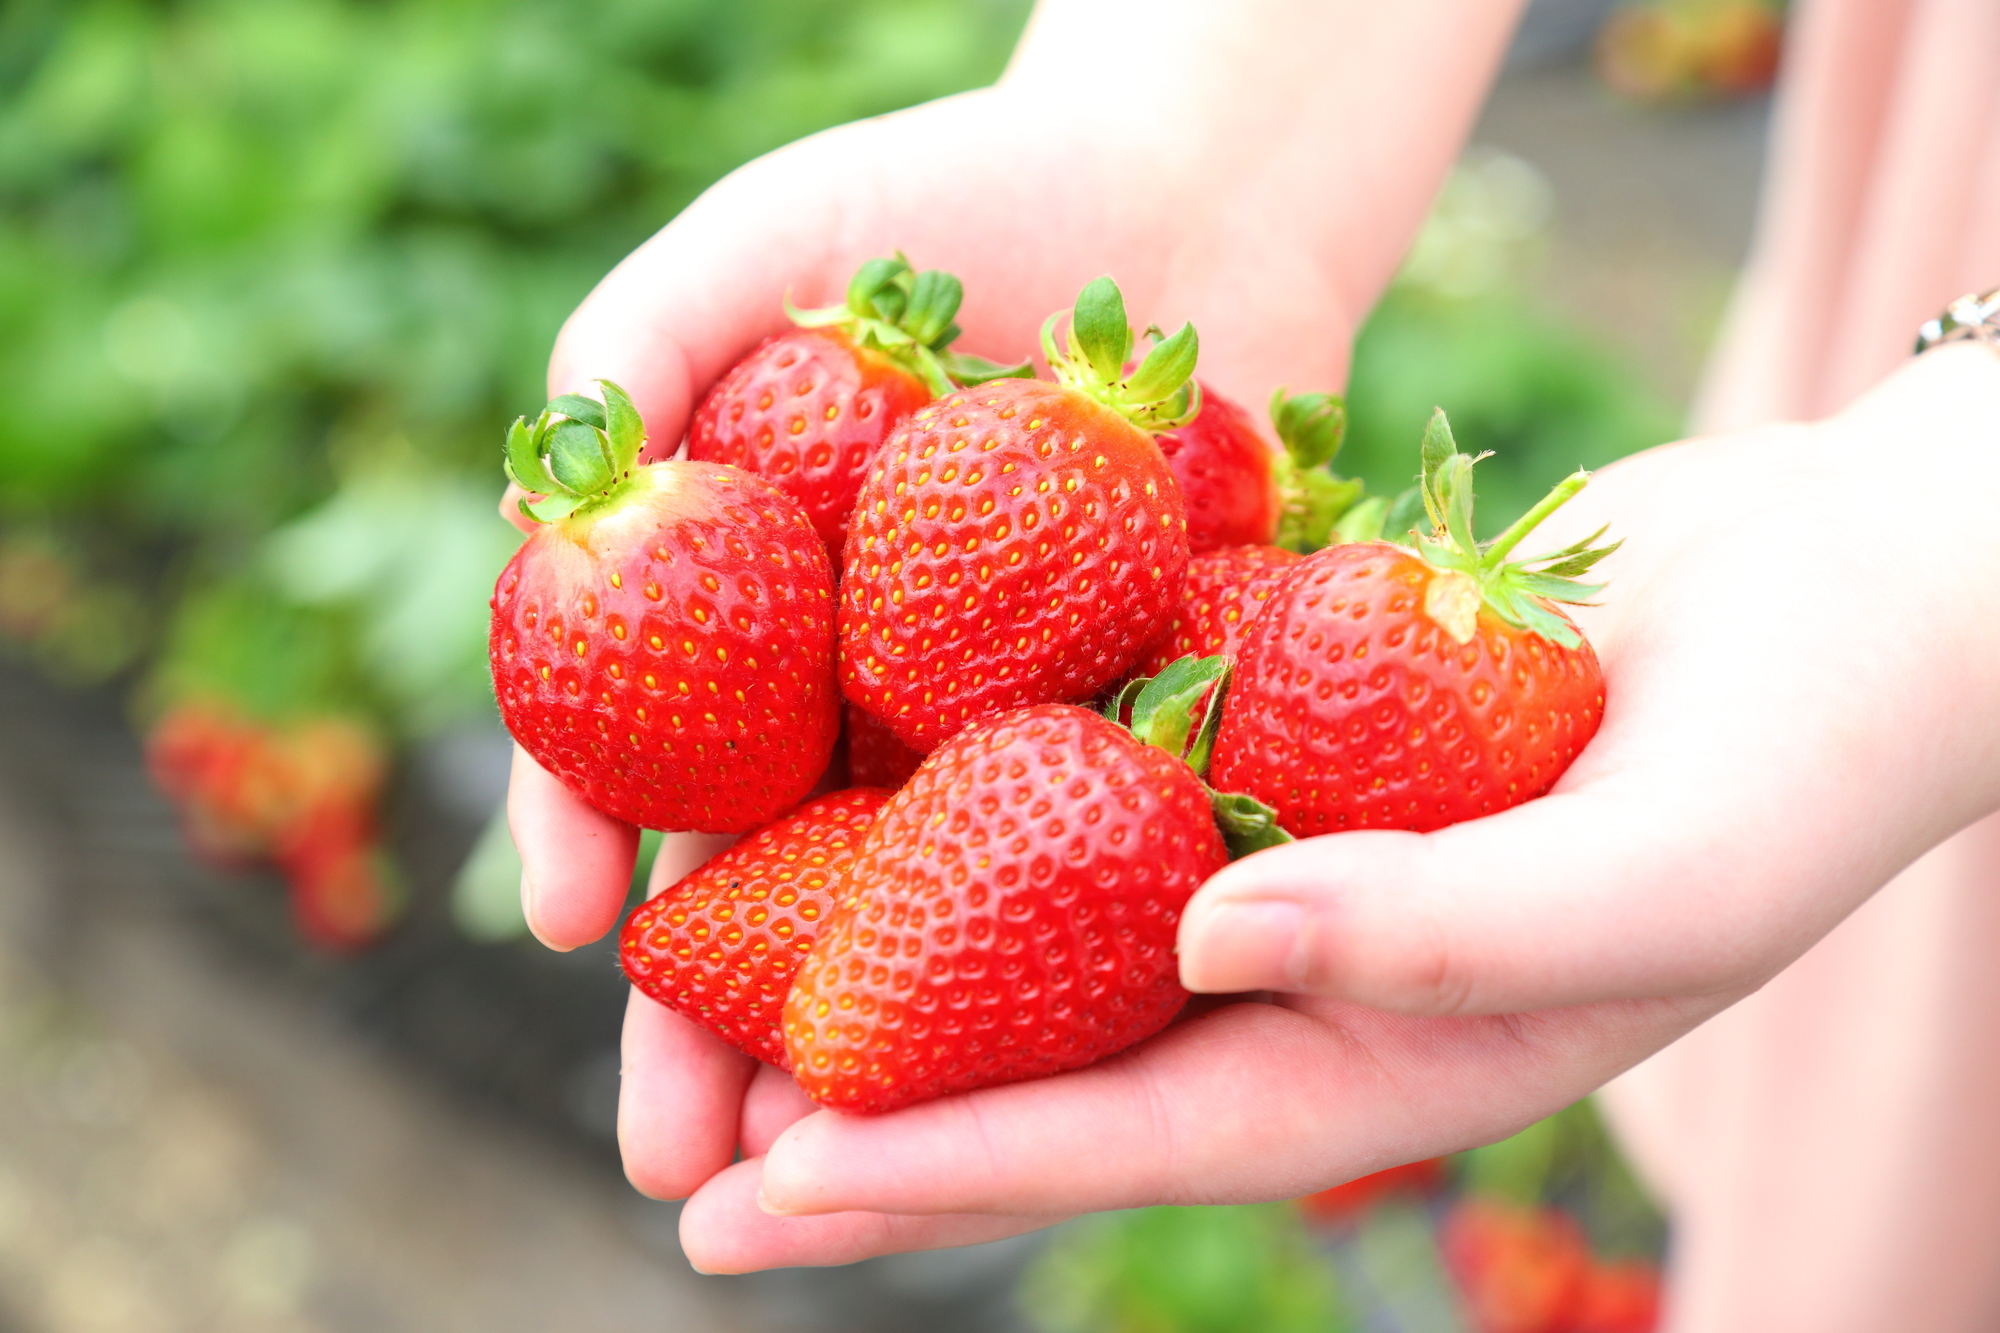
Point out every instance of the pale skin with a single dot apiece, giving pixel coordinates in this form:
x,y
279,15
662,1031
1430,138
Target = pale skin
x,y
1789,719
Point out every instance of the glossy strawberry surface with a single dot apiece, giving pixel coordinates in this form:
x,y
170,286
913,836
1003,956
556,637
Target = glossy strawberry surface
x,y
722,944
668,654
805,411
1223,465
1352,708
1011,914
1224,592
1014,544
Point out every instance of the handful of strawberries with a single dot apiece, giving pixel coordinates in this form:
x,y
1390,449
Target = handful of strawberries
x,y
1077,673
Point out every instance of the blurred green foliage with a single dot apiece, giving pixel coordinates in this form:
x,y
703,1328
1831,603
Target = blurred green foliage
x,y
1534,390
249,246
1249,1269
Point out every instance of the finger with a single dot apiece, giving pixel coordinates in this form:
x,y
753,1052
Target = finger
x,y
1252,1102
724,1231
576,861
773,1104
678,1102
510,508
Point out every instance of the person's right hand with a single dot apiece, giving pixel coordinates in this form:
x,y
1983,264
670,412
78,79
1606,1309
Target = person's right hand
x,y
1199,153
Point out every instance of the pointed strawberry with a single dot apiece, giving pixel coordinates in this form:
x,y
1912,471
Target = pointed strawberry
x,y
1021,542
808,407
722,945
1387,686
663,643
1012,912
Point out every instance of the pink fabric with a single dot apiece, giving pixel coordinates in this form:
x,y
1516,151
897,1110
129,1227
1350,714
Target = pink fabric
x,y
1830,1147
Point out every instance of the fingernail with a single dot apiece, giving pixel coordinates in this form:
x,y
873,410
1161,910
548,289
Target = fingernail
x,y
1241,946
773,1209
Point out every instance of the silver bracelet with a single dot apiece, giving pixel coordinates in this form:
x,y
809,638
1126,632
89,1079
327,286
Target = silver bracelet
x,y
1974,318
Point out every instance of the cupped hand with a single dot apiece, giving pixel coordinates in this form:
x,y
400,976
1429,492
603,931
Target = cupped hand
x,y
1801,640
1206,168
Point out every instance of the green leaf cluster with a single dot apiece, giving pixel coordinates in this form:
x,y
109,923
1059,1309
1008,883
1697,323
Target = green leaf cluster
x,y
250,249
1244,1269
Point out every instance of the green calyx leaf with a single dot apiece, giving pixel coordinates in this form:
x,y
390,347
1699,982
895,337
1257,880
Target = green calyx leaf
x,y
578,450
893,308
1247,824
1312,499
1160,394
1162,708
1519,592
1310,425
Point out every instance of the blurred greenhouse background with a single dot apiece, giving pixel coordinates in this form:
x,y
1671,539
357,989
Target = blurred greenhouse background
x,y
273,275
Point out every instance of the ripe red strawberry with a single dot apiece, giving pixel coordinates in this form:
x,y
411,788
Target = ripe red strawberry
x,y
1518,1270
1011,914
1390,687
808,407
1239,491
875,758
721,945
1018,543
1225,590
663,644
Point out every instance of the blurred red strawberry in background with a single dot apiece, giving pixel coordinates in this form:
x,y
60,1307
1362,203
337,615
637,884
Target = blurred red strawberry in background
x,y
1530,1270
1658,50
302,794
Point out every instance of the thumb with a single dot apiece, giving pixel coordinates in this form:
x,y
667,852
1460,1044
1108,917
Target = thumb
x,y
1584,896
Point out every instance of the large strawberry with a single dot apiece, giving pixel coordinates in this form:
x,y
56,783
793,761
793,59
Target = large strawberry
x,y
722,944
1239,491
1386,686
875,758
1011,914
808,407
1021,542
663,643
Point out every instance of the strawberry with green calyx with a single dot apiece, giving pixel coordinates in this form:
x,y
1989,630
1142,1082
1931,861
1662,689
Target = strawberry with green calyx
x,y
1011,913
807,408
1386,686
722,944
1313,498
663,641
1239,491
1019,543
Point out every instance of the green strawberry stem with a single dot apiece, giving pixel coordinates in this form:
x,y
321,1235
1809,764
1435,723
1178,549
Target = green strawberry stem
x,y
1159,395
577,453
906,314
1161,710
1312,498
1475,574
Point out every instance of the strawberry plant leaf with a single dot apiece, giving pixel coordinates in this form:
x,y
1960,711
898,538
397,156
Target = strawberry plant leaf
x,y
523,459
969,370
934,299
1098,330
624,427
550,508
1363,521
1437,449
1120,703
1310,425
578,408
1247,824
579,458
871,281
1162,710
1166,368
